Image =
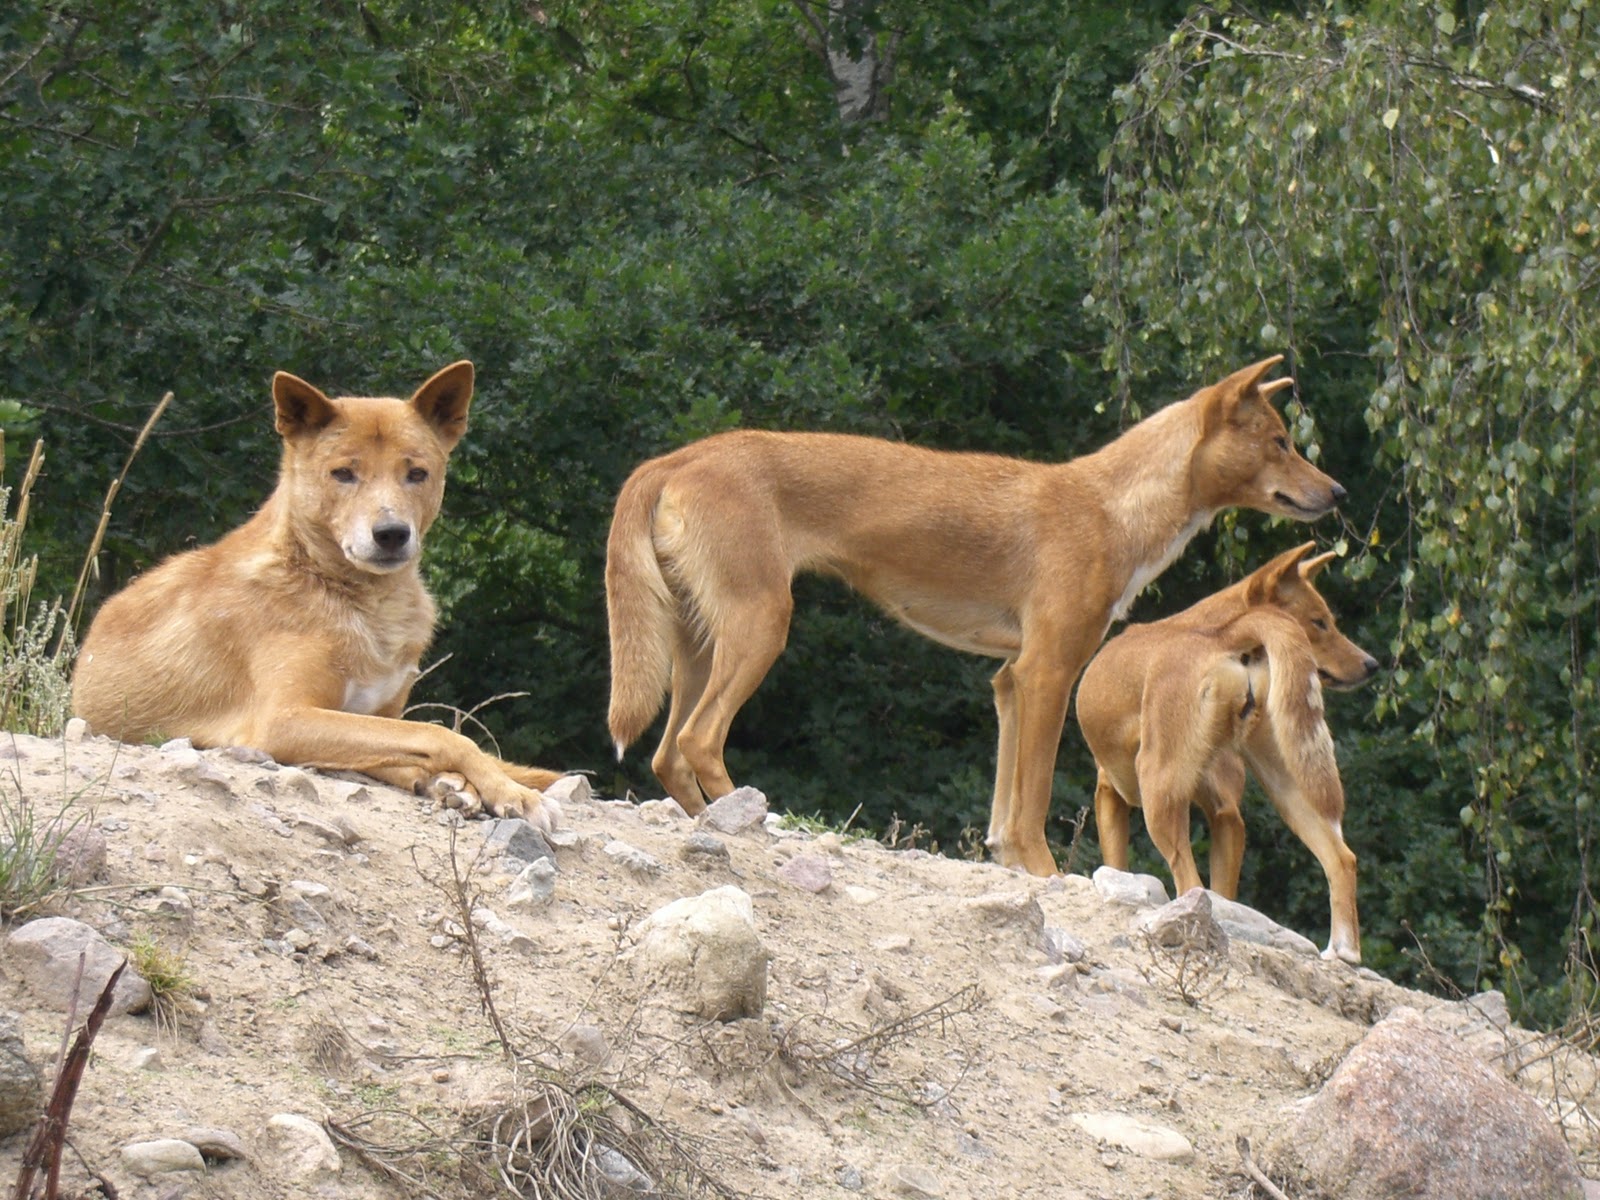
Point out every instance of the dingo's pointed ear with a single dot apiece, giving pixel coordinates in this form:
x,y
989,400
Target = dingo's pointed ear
x,y
443,402
1264,582
1223,398
300,407
1312,566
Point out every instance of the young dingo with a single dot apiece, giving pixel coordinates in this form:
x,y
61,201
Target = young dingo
x,y
1027,562
1174,710
299,633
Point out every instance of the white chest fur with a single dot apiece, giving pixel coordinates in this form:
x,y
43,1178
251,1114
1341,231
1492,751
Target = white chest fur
x,y
367,696
1148,570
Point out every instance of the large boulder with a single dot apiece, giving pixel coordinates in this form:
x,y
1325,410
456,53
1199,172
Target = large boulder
x,y
1411,1112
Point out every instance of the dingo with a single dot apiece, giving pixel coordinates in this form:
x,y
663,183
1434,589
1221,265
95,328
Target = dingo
x,y
1174,710
299,633
1027,562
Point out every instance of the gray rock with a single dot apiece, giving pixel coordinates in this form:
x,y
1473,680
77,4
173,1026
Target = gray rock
x,y
1186,924
702,956
703,849
516,839
741,809
75,730
1060,946
571,788
162,1156
1245,924
588,1043
809,872
534,886
46,954
1120,887
21,1092
631,858
1411,1112
620,1172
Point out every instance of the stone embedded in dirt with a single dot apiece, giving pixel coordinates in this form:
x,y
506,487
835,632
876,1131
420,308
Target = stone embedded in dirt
x,y
588,1043
534,886
21,1092
45,952
1143,1138
219,1145
335,829
1060,946
246,754
661,812
301,1147
701,955
1008,910
515,838
917,1182
1186,924
1410,1112
808,872
1120,887
291,783
631,859
701,848
1244,923
741,809
162,1156
574,788
79,850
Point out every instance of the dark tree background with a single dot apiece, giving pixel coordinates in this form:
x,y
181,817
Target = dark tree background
x,y
1013,226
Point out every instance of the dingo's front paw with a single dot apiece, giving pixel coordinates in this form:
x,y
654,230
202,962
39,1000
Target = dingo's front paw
x,y
450,790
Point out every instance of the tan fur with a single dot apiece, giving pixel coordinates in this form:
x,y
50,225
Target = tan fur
x,y
1026,562
1175,710
299,633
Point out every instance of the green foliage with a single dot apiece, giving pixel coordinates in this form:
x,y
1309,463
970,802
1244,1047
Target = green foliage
x,y
36,650
1406,201
29,874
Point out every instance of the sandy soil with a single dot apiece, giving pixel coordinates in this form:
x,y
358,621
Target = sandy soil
x,y
926,1031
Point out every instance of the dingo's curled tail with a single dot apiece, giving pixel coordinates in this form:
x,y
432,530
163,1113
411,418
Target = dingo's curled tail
x,y
640,609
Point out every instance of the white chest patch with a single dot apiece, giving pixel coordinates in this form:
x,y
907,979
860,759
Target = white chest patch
x,y
367,696
1146,571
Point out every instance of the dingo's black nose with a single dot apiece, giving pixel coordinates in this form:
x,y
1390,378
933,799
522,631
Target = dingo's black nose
x,y
1339,494
391,536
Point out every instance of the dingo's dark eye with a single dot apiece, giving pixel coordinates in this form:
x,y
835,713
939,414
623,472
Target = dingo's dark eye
x,y
1320,625
417,475
344,474
1283,444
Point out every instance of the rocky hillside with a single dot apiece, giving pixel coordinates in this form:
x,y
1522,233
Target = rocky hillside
x,y
338,968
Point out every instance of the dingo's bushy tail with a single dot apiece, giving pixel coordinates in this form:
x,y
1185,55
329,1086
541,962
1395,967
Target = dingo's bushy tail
x,y
1294,694
640,610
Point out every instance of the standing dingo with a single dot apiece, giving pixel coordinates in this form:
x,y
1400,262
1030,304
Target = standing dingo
x,y
1174,710
300,632
1026,562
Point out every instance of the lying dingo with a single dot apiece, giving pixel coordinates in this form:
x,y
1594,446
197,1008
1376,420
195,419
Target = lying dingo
x,y
1174,711
1027,562
300,632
